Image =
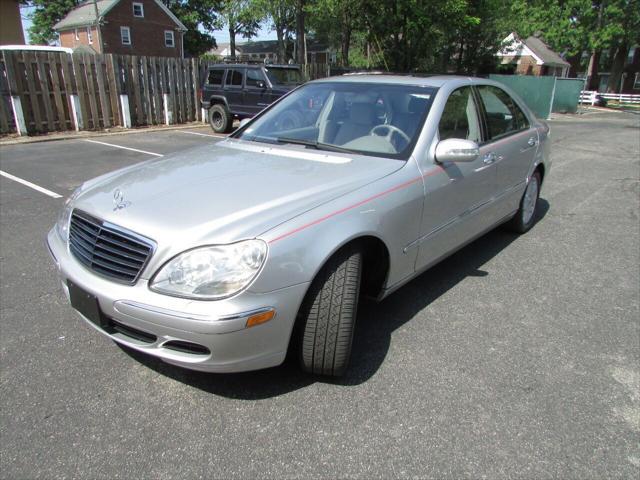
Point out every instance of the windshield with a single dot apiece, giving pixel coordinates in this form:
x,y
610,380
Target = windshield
x,y
367,118
284,76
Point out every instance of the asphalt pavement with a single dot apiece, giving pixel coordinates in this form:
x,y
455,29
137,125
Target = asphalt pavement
x,y
516,357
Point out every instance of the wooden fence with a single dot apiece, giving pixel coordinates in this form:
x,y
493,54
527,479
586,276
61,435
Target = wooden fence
x,y
51,91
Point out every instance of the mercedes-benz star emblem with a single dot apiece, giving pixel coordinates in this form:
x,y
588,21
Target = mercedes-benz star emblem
x,y
119,201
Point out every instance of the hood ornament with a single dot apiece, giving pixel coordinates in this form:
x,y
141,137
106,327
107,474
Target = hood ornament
x,y
118,200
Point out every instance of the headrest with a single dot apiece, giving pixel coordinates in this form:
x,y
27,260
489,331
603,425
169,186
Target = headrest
x,y
361,113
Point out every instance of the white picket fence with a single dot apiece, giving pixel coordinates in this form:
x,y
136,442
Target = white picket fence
x,y
591,96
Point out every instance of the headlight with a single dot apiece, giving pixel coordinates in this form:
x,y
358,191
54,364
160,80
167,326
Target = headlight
x,y
210,273
65,216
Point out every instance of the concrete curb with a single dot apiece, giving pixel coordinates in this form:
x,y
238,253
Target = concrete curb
x,y
85,134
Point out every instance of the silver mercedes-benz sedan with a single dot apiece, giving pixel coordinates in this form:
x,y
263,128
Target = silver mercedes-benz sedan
x,y
227,256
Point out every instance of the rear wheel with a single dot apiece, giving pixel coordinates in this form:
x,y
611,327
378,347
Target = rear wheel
x,y
328,315
220,118
526,215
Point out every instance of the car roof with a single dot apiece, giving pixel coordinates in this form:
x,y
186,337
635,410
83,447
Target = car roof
x,y
252,65
384,78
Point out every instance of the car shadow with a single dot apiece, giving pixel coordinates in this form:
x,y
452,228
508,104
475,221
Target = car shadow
x,y
376,323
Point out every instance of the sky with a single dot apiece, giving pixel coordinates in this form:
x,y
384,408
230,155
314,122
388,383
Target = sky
x,y
221,36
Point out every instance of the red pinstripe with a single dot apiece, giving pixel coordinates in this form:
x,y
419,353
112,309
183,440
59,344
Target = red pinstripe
x,y
434,171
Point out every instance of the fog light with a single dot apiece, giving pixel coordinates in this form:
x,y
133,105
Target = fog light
x,y
259,318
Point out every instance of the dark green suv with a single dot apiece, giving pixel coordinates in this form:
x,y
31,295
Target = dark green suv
x,y
242,90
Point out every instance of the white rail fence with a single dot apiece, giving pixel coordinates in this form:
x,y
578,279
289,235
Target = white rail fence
x,y
590,96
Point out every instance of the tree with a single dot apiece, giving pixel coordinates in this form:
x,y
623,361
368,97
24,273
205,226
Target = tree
x,y
200,17
242,17
595,26
301,43
45,15
281,13
335,21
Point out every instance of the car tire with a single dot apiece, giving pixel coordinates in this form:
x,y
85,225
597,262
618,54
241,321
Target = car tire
x,y
328,315
220,118
526,215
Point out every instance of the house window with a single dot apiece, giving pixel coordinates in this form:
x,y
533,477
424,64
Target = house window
x,y
125,35
89,35
169,41
76,33
138,10
636,82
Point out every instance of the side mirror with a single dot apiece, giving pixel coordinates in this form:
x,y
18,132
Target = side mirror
x,y
244,121
457,150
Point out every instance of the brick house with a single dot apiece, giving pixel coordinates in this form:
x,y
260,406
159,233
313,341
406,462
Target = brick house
x,y
531,57
141,27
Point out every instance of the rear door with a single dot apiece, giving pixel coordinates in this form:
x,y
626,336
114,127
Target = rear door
x,y
510,137
233,85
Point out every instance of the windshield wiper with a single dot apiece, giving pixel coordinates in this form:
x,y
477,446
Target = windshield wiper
x,y
314,144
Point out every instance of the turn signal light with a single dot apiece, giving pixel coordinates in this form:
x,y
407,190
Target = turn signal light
x,y
260,318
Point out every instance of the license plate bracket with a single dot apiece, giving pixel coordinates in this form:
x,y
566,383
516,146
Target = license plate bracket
x,y
87,304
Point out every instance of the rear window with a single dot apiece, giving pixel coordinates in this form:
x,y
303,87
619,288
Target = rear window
x,y
284,76
234,78
215,77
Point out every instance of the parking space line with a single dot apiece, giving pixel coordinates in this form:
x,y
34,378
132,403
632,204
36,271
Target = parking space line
x,y
124,148
30,185
202,134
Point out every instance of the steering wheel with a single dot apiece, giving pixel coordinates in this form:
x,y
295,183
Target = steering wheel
x,y
391,130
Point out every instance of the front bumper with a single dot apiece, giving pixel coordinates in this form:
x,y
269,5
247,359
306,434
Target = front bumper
x,y
219,326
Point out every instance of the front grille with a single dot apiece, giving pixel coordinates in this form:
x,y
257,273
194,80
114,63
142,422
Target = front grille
x,y
107,249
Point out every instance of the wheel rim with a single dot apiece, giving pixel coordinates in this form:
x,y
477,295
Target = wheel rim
x,y
530,200
216,120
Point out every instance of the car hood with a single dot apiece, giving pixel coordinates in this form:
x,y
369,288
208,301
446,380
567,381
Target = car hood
x,y
225,192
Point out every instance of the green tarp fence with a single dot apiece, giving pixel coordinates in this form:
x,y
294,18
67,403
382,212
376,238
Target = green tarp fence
x,y
544,95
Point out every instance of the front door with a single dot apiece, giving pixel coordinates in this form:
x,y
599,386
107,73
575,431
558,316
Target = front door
x,y
256,93
457,194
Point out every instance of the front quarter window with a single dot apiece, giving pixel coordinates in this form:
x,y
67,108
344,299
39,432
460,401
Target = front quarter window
x,y
367,118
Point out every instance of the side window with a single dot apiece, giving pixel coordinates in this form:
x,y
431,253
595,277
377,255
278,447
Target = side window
x,y
460,117
503,115
215,77
234,78
254,77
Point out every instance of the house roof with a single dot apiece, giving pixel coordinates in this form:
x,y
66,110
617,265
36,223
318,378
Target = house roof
x,y
542,50
85,14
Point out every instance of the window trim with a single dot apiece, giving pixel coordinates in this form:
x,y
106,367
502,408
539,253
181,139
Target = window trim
x,y
138,4
89,35
128,30
636,82
479,113
230,72
173,39
76,33
486,139
246,74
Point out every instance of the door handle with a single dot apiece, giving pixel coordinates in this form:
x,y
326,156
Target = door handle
x,y
532,142
489,158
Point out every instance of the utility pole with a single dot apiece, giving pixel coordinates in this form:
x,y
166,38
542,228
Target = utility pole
x,y
95,8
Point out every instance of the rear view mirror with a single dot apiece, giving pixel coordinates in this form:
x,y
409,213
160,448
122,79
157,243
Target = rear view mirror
x,y
457,150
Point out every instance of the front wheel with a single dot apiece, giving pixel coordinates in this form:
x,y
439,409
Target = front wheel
x,y
328,315
220,118
526,215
